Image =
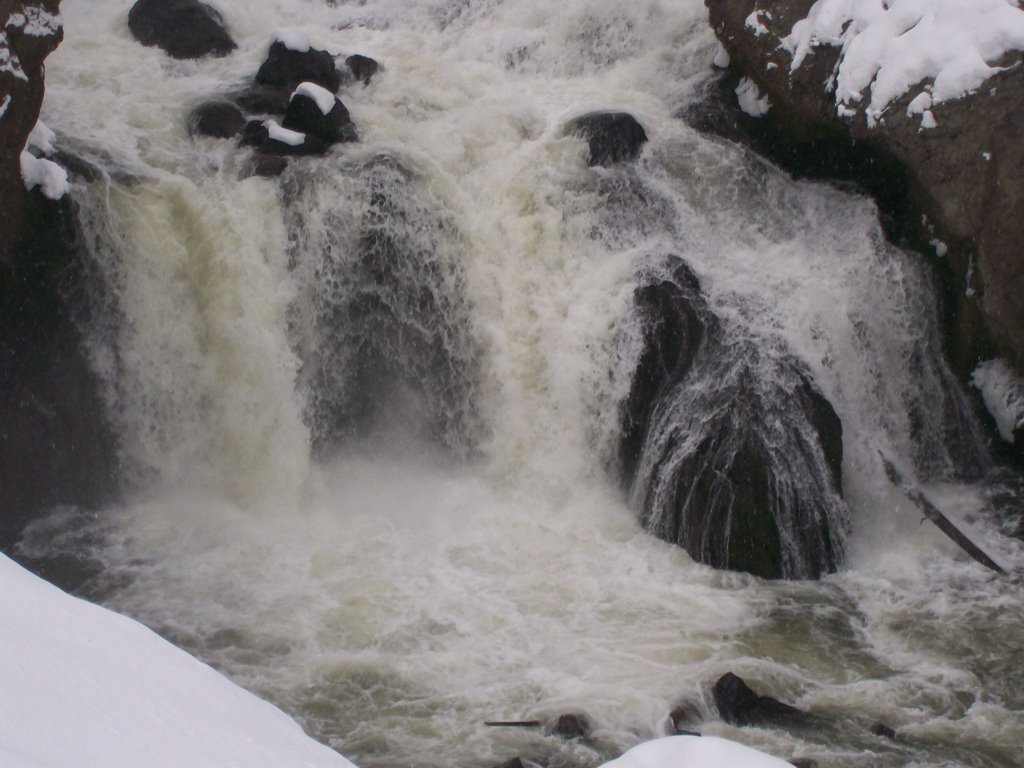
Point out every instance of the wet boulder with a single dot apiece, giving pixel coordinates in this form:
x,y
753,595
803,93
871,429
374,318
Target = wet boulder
x,y
219,119
315,111
571,726
264,100
363,67
738,704
291,62
613,137
728,448
184,29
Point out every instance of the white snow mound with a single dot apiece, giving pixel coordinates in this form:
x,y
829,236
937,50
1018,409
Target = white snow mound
x,y
324,99
82,687
695,752
891,46
51,179
293,39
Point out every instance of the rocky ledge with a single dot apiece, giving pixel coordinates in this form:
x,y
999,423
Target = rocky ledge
x,y
949,162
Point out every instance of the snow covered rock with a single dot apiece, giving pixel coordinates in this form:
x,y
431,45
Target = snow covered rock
x,y
82,687
613,137
695,752
921,102
291,61
184,29
318,112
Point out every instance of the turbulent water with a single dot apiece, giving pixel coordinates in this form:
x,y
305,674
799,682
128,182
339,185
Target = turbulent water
x,y
369,411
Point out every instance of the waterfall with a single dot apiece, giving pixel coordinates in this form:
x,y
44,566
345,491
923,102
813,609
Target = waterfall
x,y
397,426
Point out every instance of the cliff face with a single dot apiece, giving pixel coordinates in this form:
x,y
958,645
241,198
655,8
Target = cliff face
x,y
55,444
32,31
961,165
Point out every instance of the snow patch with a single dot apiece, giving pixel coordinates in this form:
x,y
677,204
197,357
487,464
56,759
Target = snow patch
x,y
695,752
9,61
750,98
41,139
285,136
721,57
753,22
1002,391
324,99
941,249
890,47
36,21
83,686
292,39
928,120
51,179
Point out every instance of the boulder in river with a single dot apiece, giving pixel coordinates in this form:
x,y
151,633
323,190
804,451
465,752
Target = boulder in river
x,y
571,726
363,67
219,119
738,704
613,137
729,449
315,111
184,29
291,62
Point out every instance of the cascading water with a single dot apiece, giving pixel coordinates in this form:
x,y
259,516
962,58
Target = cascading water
x,y
372,410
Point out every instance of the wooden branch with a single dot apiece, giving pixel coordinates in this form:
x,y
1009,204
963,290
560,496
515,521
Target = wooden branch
x,y
941,521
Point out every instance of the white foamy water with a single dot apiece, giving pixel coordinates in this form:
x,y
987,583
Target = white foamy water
x,y
393,594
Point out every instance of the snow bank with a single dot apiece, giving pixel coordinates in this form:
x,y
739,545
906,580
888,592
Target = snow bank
x,y
1003,394
750,98
279,133
889,47
81,687
695,752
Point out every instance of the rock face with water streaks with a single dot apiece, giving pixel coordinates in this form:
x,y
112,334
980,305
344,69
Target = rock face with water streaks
x,y
729,448
965,174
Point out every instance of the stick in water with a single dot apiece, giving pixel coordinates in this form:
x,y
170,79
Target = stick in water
x,y
941,521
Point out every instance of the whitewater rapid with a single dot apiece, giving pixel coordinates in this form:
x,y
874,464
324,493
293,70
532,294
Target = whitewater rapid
x,y
473,556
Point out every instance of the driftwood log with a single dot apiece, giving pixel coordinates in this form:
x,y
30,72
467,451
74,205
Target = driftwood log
x,y
941,521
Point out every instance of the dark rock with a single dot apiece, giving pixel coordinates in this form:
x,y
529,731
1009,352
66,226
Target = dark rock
x,y
804,762
614,137
966,176
883,730
22,82
264,100
514,762
571,726
739,705
184,29
304,115
285,68
219,119
363,67
267,166
729,449
679,718
56,445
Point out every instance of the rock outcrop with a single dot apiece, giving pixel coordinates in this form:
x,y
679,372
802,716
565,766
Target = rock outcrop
x,y
729,449
32,32
184,29
55,443
284,68
958,176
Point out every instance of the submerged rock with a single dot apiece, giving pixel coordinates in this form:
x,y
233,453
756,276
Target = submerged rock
x,y
571,726
363,67
738,704
219,119
285,68
613,137
184,29
729,449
